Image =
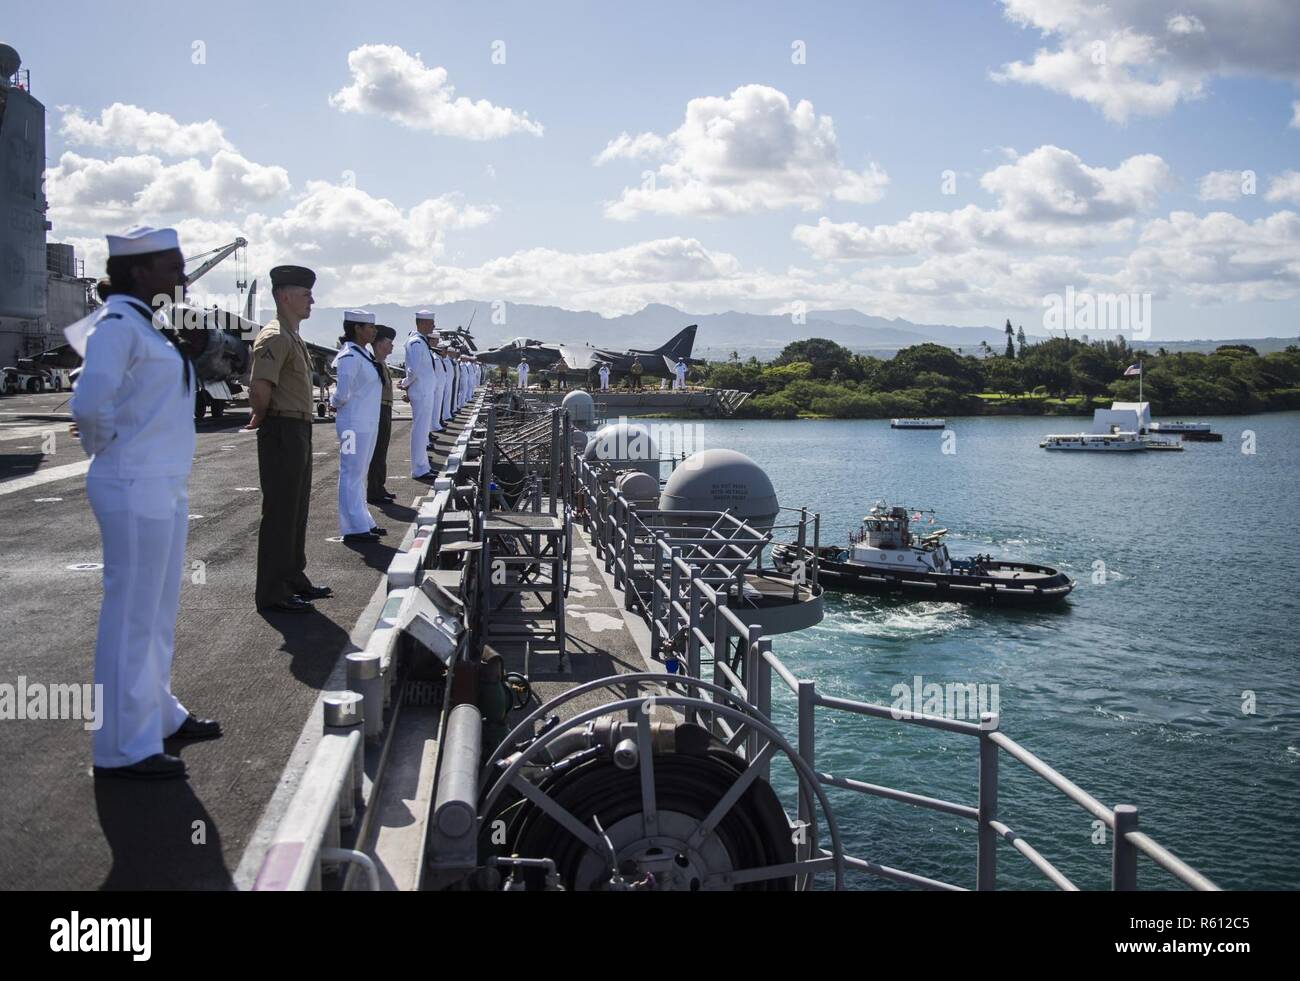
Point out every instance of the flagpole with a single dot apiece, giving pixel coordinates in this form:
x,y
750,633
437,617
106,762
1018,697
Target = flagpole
x,y
1140,374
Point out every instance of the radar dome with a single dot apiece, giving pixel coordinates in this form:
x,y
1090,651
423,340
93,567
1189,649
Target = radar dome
x,y
722,480
581,409
629,444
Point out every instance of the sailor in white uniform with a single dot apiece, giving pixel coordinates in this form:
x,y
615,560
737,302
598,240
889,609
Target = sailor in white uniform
x,y
680,382
134,412
421,387
523,373
448,380
357,389
440,378
604,378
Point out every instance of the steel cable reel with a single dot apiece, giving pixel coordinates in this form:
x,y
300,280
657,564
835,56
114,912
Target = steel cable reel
x,y
650,806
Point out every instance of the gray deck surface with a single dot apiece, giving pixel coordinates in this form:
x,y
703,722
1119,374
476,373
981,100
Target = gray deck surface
x,y
259,674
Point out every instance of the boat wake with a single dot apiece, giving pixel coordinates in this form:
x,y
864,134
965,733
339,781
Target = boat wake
x,y
903,622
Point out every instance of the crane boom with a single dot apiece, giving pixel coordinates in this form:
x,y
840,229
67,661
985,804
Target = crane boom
x,y
217,256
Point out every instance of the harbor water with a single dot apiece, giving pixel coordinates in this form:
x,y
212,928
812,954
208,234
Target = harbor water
x,y
1169,679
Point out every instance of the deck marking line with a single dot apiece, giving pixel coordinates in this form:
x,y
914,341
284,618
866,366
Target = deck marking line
x,y
46,476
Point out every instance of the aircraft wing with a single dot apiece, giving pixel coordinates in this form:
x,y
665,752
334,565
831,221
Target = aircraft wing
x,y
577,358
670,364
322,359
62,356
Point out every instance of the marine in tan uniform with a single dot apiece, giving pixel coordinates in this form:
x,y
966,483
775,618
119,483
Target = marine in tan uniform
x,y
376,493
281,399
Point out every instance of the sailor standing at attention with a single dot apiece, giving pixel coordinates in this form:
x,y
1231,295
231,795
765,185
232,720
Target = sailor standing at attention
x,y
421,387
376,492
523,373
449,381
134,411
604,378
440,387
280,396
680,372
356,400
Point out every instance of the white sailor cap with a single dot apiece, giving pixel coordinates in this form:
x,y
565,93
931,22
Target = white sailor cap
x,y
142,240
424,314
358,317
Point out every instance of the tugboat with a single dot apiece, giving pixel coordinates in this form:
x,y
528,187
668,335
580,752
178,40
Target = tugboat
x,y
884,556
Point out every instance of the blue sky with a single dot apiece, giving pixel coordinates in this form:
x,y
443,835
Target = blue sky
x,y
898,94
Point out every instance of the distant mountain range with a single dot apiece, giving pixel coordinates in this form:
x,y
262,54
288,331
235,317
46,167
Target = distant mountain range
x,y
760,335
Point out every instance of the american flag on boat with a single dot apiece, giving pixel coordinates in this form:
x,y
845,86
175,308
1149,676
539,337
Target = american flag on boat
x,y
1133,369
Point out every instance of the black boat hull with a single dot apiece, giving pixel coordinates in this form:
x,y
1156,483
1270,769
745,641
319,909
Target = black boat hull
x,y
1021,583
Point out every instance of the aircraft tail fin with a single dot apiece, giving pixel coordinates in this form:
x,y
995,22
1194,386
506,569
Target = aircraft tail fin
x,y
680,345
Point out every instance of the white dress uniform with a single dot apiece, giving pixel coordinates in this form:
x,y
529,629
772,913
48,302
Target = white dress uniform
x,y
523,374
134,407
421,385
448,386
604,378
356,421
681,375
439,393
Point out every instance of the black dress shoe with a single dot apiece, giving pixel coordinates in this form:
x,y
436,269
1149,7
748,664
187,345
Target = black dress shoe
x,y
294,604
389,497
160,766
377,501
195,728
381,532
361,536
426,478
315,592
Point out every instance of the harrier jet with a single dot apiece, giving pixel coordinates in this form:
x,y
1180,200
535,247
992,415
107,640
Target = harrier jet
x,y
658,363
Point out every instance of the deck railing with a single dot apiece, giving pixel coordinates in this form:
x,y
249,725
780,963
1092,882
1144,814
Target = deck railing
x,y
684,573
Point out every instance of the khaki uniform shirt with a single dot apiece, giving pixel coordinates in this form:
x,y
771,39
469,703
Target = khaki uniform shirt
x,y
386,395
281,357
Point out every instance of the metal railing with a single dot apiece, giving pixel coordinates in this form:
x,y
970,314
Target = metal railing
x,y
329,806
684,586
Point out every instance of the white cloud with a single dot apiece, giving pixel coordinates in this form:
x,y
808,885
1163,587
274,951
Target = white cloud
x,y
1047,198
1143,57
1185,24
334,226
87,191
1220,185
1217,258
1285,187
746,152
389,82
122,126
626,147
1054,185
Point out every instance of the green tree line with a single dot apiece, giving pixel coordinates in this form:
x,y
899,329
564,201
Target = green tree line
x,y
820,378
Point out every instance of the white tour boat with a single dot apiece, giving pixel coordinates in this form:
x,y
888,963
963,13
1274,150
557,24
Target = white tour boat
x,y
918,424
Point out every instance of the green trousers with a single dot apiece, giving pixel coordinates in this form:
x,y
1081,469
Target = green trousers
x,y
284,467
378,472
